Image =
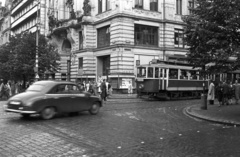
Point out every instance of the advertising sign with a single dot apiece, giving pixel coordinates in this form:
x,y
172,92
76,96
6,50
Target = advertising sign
x,y
126,82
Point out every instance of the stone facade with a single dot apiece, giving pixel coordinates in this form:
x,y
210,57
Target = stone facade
x,y
118,59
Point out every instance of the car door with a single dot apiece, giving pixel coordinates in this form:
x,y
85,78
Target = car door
x,y
81,101
60,97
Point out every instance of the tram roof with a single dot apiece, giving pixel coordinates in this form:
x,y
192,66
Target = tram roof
x,y
171,66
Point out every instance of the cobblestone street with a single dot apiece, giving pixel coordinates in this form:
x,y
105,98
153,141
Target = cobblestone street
x,y
124,128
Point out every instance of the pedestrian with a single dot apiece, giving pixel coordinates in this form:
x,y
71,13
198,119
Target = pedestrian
x,y
130,88
230,93
99,87
219,92
103,90
87,86
95,88
211,93
13,87
225,86
236,91
5,89
109,89
91,87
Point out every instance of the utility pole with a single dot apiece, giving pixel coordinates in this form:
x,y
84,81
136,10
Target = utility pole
x,y
37,43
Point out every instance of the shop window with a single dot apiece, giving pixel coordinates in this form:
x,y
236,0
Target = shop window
x,y
103,37
146,35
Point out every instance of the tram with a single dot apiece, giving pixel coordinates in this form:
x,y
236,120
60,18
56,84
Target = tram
x,y
173,80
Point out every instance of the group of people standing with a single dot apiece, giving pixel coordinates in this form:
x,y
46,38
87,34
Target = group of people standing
x,y
9,88
101,88
225,92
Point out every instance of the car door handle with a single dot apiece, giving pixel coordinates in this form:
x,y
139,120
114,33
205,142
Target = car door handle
x,y
73,97
56,97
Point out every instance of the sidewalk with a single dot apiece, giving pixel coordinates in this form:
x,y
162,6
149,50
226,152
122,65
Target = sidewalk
x,y
229,115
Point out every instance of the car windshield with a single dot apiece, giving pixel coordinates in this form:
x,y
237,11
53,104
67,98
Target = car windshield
x,y
35,87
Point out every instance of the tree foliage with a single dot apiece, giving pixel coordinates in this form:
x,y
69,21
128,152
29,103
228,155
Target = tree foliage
x,y
17,57
212,33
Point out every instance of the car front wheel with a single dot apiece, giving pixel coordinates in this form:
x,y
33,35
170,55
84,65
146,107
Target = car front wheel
x,y
95,108
48,113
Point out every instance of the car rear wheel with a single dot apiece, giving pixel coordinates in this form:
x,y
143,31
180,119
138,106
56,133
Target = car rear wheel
x,y
25,115
48,113
95,108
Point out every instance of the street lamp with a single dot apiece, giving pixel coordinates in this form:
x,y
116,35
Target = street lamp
x,y
37,42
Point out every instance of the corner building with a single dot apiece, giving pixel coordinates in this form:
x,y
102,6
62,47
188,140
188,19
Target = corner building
x,y
109,38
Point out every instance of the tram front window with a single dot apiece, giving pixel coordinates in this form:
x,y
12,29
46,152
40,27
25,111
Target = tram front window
x,y
150,72
141,72
173,73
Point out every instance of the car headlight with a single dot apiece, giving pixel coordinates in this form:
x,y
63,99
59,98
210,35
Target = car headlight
x,y
15,102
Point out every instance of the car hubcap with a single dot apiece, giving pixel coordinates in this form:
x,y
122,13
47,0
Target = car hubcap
x,y
48,113
95,108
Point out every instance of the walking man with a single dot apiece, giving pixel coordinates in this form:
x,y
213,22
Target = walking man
x,y
236,91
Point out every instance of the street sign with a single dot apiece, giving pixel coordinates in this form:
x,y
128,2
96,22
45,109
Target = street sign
x,y
37,76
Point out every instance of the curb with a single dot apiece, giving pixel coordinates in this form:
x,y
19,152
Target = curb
x,y
210,119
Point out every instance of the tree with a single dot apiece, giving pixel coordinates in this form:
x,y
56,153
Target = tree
x,y
17,58
212,33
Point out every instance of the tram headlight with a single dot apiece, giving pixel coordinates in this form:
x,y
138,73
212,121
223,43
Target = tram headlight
x,y
141,86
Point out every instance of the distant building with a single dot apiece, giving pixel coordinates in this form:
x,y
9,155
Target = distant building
x,y
5,22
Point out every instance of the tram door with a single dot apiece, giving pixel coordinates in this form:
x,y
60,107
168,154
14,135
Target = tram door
x,y
160,73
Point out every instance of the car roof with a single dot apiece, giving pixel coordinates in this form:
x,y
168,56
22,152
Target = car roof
x,y
45,82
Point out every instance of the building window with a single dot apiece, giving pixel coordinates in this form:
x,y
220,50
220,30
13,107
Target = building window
x,y
178,38
99,6
190,6
154,5
108,5
179,7
103,37
146,35
80,40
80,63
139,4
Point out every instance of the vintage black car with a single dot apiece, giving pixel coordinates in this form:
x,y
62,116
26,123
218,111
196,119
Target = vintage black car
x,y
48,98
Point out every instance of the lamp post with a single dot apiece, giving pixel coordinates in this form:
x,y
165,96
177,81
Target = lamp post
x,y
37,42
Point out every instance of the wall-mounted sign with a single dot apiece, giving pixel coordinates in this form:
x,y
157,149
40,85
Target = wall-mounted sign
x,y
126,82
